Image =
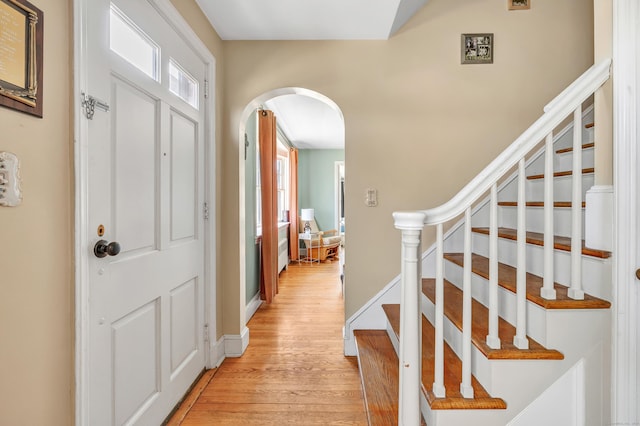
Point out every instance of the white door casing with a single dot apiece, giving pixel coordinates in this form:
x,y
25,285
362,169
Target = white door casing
x,y
141,169
625,335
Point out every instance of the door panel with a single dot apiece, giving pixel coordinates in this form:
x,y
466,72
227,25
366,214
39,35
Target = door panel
x,y
184,332
136,351
134,125
183,177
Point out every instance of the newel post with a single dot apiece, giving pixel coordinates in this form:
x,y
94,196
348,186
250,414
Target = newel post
x,y
410,359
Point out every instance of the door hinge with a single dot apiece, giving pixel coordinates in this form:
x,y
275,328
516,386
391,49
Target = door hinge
x,y
206,89
205,211
89,104
206,333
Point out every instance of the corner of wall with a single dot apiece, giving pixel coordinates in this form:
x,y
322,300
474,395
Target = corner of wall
x,y
236,344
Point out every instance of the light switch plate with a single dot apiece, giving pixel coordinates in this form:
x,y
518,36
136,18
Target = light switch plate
x,y
10,191
371,197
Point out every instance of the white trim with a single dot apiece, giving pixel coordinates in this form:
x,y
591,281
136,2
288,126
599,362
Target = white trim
x,y
81,238
625,337
253,306
218,352
236,344
173,17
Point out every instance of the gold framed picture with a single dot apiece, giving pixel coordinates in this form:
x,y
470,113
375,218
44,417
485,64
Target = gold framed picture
x,y
518,4
477,48
21,43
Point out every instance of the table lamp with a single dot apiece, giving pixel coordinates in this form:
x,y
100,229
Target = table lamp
x,y
306,215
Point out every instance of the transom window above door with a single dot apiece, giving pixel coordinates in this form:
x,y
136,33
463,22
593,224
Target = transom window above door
x,y
133,45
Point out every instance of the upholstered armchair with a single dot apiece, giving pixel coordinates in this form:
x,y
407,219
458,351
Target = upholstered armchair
x,y
324,244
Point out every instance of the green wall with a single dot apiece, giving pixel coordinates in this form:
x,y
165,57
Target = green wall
x,y
316,183
252,249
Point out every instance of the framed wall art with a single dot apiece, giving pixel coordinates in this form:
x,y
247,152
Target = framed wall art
x,y
518,4
477,48
21,42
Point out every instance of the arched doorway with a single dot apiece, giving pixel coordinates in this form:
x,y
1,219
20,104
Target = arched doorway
x,y
317,107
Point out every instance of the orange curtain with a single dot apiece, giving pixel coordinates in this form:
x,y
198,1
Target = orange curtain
x,y
293,204
269,264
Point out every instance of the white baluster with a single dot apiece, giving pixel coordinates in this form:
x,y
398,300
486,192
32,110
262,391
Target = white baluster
x,y
465,387
548,291
410,359
576,292
520,339
493,338
438,385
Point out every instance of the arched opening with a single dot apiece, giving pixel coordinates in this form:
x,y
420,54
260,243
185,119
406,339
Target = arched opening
x,y
299,109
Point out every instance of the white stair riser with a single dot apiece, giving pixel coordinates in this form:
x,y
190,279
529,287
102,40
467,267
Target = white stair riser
x,y
596,272
562,219
574,333
506,302
536,166
562,188
564,160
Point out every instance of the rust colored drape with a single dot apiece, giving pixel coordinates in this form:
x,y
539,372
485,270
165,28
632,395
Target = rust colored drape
x,y
269,264
293,204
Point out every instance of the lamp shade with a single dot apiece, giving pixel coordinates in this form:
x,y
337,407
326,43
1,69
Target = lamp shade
x,y
306,214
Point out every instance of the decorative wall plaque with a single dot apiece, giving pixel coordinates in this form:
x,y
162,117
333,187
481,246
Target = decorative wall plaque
x,y
21,42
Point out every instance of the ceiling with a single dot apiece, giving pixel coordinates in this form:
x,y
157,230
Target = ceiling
x,y
309,122
308,19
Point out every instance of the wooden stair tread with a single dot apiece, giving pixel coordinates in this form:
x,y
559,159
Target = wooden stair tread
x,y
589,125
570,149
507,280
480,326
378,364
452,374
560,243
561,174
556,204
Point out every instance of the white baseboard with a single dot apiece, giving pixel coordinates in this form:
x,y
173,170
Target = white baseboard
x,y
598,221
235,345
217,352
252,306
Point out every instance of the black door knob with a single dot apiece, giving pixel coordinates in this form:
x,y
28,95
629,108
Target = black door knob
x,y
103,248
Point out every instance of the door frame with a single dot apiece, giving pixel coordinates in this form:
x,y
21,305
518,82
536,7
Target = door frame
x,y
625,331
81,209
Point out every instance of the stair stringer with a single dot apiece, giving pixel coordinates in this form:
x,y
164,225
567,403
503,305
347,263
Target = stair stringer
x,y
565,402
572,332
370,316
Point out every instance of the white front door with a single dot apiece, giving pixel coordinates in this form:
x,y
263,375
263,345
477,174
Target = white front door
x,y
145,193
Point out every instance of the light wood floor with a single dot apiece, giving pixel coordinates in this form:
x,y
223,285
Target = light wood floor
x,y
294,371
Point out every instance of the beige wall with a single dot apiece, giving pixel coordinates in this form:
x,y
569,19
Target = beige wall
x,y
36,246
603,99
418,124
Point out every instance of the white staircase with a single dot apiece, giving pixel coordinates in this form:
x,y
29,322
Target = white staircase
x,y
512,320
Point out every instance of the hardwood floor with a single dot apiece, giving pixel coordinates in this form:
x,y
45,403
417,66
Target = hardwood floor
x,y
294,371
